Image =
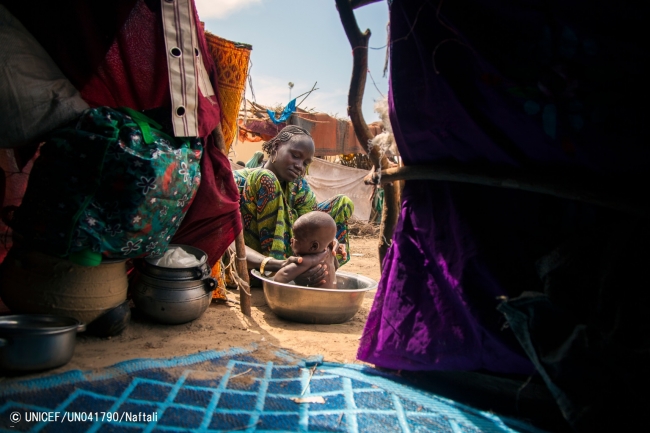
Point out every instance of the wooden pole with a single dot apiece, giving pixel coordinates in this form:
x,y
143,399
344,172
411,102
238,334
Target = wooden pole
x,y
240,246
242,271
607,193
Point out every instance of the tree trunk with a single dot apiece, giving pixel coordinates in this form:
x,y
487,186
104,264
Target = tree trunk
x,y
359,43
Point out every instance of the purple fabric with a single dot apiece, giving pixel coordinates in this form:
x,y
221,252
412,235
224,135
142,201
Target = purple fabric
x,y
266,127
500,83
435,307
494,84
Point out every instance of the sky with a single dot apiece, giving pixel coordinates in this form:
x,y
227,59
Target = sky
x,y
302,41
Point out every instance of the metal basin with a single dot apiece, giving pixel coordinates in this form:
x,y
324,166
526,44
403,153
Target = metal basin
x,y
31,342
314,305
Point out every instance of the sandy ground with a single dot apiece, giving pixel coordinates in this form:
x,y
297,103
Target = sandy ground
x,y
223,326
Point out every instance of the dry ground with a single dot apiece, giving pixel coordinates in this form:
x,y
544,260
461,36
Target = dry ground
x,y
223,326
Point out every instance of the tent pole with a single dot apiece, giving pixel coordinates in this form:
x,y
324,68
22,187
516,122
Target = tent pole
x,y
613,194
242,272
240,246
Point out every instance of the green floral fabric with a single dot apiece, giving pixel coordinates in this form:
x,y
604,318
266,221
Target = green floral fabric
x,y
112,184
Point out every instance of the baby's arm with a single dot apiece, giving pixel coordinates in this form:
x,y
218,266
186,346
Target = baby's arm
x,y
290,272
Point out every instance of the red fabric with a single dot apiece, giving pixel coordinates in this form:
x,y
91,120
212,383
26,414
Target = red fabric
x,y
264,127
133,73
76,33
213,220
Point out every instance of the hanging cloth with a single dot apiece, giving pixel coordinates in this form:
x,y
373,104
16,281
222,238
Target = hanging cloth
x,y
288,110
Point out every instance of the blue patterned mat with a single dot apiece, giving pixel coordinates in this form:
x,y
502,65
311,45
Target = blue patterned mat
x,y
239,390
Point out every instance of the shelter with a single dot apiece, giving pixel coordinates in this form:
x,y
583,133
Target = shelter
x,y
332,136
547,91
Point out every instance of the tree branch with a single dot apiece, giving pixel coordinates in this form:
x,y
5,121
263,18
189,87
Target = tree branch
x,y
355,4
359,43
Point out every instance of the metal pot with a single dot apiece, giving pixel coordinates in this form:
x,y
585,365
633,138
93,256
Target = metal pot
x,y
31,342
148,267
315,305
172,302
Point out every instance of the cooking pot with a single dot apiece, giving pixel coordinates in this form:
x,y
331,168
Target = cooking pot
x,y
148,266
30,342
172,302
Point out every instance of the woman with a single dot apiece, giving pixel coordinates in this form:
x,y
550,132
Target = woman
x,y
274,196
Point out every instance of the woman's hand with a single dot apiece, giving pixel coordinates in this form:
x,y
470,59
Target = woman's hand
x,y
315,275
340,249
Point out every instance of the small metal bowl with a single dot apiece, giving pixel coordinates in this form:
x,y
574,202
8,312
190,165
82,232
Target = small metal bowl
x,y
315,305
32,342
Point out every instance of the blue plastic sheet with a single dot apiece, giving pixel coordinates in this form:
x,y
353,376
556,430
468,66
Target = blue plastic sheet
x,y
288,110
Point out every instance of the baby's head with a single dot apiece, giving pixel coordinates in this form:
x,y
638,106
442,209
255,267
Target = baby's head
x,y
313,232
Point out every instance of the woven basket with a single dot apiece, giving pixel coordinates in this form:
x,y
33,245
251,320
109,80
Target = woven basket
x,y
35,283
231,60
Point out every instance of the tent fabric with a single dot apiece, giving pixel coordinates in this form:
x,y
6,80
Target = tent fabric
x,y
327,179
35,96
264,127
588,333
113,53
435,307
553,85
332,136
547,86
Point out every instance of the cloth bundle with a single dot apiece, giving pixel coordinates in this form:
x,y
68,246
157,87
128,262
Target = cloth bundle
x,y
177,258
113,185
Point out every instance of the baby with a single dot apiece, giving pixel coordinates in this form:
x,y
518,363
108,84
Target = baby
x,y
313,233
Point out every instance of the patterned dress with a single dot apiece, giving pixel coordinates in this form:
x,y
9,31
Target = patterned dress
x,y
268,211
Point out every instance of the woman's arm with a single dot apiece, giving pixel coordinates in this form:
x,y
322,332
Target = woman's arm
x,y
316,272
254,260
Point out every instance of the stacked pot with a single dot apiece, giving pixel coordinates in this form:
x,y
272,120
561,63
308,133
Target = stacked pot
x,y
173,295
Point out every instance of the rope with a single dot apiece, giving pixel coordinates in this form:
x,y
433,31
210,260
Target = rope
x,y
241,284
375,84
